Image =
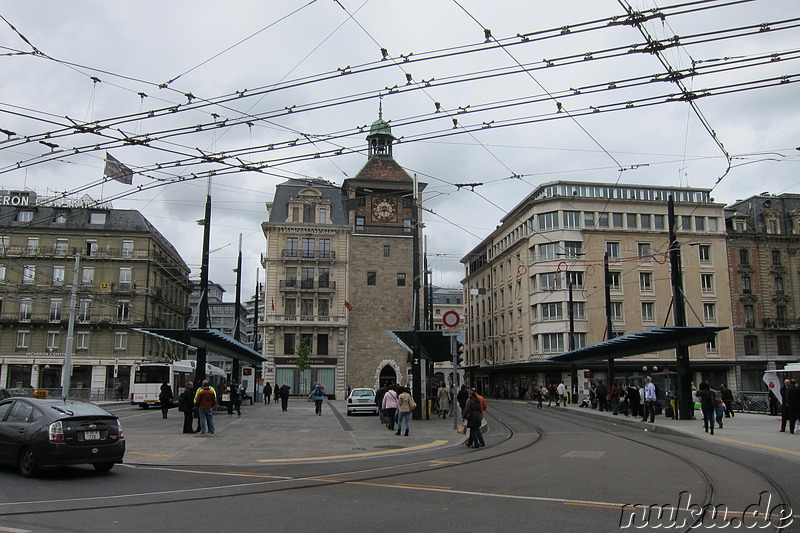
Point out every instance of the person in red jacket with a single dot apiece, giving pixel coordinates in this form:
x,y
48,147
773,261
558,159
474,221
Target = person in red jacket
x,y
205,400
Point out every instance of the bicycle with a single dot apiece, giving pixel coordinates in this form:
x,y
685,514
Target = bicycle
x,y
748,404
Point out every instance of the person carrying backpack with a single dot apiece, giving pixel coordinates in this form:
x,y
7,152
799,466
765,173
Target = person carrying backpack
x,y
318,394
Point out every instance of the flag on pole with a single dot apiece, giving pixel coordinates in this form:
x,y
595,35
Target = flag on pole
x,y
273,304
348,305
117,171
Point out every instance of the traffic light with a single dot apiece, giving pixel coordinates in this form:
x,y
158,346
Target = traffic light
x,y
460,352
247,371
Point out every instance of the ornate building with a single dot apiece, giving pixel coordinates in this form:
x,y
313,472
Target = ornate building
x,y
128,276
763,246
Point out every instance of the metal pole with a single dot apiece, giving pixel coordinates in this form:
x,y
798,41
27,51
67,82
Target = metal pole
x,y
66,371
454,401
202,311
236,313
255,335
681,352
609,326
416,372
573,369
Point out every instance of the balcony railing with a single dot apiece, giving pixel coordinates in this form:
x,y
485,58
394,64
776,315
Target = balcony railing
x,y
105,253
775,323
317,255
306,285
281,320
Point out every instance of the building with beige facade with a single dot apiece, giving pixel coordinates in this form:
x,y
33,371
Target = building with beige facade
x,y
554,243
128,276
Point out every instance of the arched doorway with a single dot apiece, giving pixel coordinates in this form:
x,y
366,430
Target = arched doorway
x,y
388,374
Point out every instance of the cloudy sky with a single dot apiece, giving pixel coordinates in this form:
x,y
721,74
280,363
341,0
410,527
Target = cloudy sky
x,y
504,94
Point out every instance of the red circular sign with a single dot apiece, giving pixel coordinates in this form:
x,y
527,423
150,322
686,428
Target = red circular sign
x,y
450,319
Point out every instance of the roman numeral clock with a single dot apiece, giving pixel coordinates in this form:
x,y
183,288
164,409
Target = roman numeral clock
x,y
384,210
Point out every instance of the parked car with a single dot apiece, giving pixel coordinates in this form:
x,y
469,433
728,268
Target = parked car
x,y
361,401
38,433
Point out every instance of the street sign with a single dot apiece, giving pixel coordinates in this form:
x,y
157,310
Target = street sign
x,y
452,332
451,319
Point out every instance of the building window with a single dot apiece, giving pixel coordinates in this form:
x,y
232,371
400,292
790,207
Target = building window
x,y
616,220
707,283
751,345
548,251
61,247
97,218
25,308
776,258
616,311
401,279
306,308
578,310
781,315
631,220
575,278
648,312
292,246
56,306
33,245
749,316
125,275
704,251
82,340
28,274
645,253
308,340
744,257
127,248
4,242
120,341
323,215
552,342
772,226
87,275
747,286
573,248
713,225
645,221
288,343
778,285
360,223
686,223
699,223
24,216
548,221
572,219
308,247
91,247
307,277
322,344
325,278
646,281
602,220
784,345
615,281
123,310
658,222
549,281
290,306
612,249
552,311
710,312
580,340
295,214
2,273
323,308
387,251
85,310
23,339
52,340
308,213
711,346
372,278
588,219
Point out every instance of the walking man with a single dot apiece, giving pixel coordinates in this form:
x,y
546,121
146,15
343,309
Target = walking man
x,y
284,394
267,393
186,406
205,400
649,400
318,394
727,399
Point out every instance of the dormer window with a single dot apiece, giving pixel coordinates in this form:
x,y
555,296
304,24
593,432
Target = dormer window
x,y
60,218
97,218
773,225
24,216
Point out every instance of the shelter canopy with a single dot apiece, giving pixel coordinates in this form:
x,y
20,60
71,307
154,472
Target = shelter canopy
x,y
212,340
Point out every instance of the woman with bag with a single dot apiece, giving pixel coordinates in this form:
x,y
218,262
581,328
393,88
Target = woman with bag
x,y
405,404
389,405
473,414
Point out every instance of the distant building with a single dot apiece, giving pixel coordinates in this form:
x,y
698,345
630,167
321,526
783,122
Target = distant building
x,y
447,299
763,248
518,284
222,317
129,276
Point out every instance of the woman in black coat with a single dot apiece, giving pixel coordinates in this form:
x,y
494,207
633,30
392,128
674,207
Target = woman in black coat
x,y
165,398
473,414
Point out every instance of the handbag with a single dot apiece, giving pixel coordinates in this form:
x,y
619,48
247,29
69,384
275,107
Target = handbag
x,y
462,429
226,397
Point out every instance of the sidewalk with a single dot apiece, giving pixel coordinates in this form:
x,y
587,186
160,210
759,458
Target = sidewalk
x,y
752,431
266,435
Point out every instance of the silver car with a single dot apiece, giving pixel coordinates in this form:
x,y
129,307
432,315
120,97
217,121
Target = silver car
x,y
361,401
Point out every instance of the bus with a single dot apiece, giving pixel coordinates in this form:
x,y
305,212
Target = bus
x,y
148,378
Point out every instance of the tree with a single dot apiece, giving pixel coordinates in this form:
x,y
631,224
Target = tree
x,y
302,352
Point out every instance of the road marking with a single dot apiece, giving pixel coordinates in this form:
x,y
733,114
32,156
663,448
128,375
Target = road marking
x,y
355,455
412,485
149,454
14,530
440,463
764,446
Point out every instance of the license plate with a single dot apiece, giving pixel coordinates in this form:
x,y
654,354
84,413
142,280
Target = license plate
x,y
91,435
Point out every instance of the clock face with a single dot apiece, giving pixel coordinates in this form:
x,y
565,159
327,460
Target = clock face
x,y
383,210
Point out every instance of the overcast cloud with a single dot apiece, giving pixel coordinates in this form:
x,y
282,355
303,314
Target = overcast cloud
x,y
322,60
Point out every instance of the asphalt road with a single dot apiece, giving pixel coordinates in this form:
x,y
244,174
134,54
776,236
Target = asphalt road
x,y
541,470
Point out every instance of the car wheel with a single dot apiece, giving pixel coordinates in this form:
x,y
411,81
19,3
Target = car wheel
x,y
103,467
28,465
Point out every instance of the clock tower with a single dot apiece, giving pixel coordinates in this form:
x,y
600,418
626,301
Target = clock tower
x,y
385,223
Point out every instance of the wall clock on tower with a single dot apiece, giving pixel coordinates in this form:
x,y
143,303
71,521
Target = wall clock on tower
x,y
383,209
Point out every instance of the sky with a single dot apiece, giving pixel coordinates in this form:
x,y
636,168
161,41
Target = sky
x,y
506,95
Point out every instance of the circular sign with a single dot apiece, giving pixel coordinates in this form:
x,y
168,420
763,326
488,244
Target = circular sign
x,y
450,319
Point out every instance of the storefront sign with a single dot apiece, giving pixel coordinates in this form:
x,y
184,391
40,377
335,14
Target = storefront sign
x,y
311,361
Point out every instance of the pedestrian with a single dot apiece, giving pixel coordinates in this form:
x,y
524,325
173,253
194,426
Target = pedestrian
x,y
785,403
793,399
235,399
205,399
165,398
277,392
443,399
773,404
284,394
461,397
552,395
120,391
405,405
602,395
727,397
389,405
318,394
613,397
633,399
706,396
473,415
593,395
186,406
562,393
379,402
622,406
267,393
649,400
719,410
539,394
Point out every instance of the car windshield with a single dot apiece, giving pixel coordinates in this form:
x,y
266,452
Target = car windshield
x,y
362,392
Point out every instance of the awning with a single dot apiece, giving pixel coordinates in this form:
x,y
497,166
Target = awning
x,y
651,340
212,340
434,346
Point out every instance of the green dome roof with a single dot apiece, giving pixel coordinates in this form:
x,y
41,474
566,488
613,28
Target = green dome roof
x,y
380,127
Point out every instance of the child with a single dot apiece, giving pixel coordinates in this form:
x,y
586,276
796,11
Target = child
x,y
719,410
